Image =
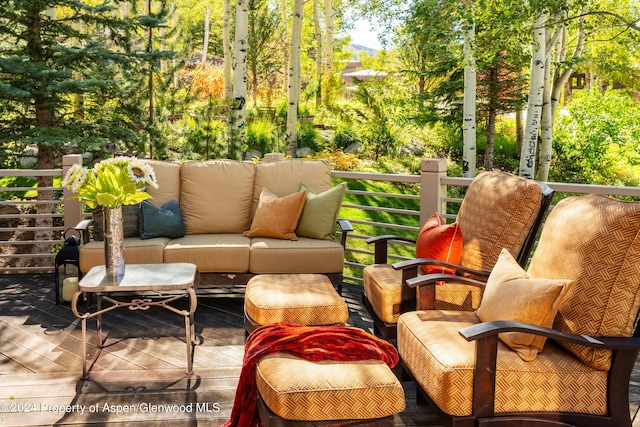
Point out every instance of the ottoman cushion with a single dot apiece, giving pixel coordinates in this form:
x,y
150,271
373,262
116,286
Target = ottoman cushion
x,y
298,389
307,299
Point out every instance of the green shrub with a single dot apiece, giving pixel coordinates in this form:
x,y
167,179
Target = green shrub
x,y
344,137
261,136
308,136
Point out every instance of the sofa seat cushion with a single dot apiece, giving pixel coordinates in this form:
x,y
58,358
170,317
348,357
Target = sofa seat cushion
x,y
302,256
297,389
307,299
382,285
136,251
217,253
442,363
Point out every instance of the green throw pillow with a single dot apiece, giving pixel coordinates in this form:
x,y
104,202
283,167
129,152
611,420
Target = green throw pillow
x,y
318,219
161,222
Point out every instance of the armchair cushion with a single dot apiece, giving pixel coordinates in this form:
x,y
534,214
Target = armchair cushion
x,y
277,217
603,257
441,241
320,213
442,363
511,294
498,211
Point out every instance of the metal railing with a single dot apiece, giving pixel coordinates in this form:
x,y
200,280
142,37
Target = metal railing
x,y
400,206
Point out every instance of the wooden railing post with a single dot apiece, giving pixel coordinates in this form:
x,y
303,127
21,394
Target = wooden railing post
x,y
432,191
72,208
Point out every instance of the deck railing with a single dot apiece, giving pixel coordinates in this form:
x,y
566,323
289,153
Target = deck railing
x,y
371,212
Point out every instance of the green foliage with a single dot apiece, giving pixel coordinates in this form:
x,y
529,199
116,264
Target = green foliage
x,y
596,140
344,137
73,78
261,136
308,136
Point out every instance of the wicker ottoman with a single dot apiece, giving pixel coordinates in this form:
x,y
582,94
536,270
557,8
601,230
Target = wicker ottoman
x,y
296,392
307,299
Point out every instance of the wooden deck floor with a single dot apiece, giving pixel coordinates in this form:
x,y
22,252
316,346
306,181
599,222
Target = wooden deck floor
x,y
140,377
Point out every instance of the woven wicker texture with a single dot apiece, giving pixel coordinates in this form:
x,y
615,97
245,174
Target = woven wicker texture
x,y
382,285
307,299
497,212
297,389
593,240
442,363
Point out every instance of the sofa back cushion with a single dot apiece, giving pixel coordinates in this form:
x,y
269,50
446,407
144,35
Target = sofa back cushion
x,y
217,196
285,177
595,241
168,178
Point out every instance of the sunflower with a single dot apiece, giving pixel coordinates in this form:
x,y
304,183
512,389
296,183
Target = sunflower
x,y
141,172
75,177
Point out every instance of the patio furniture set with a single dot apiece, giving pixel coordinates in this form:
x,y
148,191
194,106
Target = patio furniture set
x,y
485,341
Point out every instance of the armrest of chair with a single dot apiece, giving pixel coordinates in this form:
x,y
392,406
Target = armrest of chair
x,y
345,228
382,244
83,229
460,270
486,329
427,283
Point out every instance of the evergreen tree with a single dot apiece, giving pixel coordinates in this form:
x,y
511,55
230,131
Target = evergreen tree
x,y
70,80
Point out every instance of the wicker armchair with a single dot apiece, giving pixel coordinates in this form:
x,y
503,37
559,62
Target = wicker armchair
x,y
500,210
581,374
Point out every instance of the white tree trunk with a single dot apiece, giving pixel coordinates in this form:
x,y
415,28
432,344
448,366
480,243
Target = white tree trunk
x,y
561,76
328,68
226,48
205,45
534,106
239,75
319,53
469,107
294,76
285,23
546,127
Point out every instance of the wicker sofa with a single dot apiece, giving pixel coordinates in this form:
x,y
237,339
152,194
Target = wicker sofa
x,y
218,200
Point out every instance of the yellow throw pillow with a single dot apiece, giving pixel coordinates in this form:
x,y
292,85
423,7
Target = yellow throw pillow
x,y
320,213
510,294
277,217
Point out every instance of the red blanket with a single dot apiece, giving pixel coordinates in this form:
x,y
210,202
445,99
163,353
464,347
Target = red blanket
x,y
313,343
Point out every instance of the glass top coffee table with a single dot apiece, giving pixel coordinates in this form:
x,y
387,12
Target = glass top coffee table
x,y
143,286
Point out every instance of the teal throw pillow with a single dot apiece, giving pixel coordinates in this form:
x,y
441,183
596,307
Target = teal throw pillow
x,y
161,222
318,219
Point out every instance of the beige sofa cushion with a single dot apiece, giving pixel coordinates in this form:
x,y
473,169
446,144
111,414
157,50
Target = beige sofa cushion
x,y
217,196
302,256
217,253
297,389
136,251
442,363
286,176
168,178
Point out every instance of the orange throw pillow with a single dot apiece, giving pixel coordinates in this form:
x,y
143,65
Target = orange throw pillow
x,y
277,217
441,241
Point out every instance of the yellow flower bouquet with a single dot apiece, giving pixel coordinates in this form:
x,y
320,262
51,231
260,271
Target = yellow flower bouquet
x,y
112,182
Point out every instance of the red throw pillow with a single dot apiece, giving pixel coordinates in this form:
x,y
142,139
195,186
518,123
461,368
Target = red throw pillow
x,y
440,241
